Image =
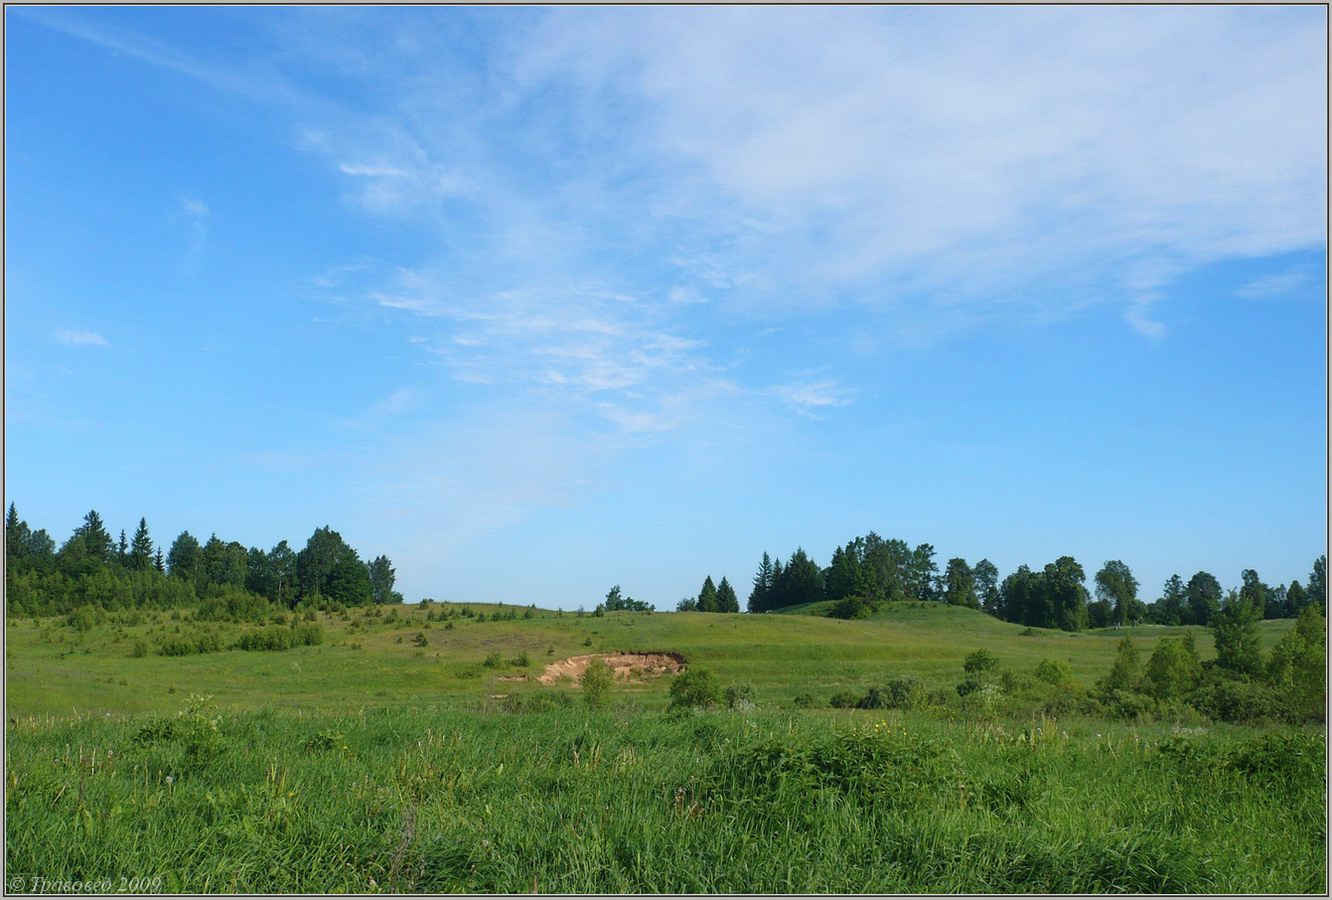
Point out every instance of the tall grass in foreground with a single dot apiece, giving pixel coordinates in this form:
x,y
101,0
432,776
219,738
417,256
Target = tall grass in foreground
x,y
613,801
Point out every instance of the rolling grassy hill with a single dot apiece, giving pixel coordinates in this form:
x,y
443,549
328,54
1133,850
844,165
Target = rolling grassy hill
x,y
376,661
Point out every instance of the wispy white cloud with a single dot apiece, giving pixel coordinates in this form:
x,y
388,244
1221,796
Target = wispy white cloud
x,y
968,154
808,398
81,338
1280,284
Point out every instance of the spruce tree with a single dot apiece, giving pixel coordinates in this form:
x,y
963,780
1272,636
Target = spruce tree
x,y
707,597
727,601
759,596
96,539
141,548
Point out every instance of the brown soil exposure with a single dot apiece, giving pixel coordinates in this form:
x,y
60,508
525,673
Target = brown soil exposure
x,y
624,665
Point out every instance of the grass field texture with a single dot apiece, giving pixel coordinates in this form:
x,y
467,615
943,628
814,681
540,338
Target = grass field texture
x,y
379,762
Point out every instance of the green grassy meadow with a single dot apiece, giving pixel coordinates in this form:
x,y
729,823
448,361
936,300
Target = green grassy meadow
x,y
54,670
374,763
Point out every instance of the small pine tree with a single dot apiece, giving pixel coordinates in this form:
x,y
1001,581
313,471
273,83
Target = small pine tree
x,y
707,597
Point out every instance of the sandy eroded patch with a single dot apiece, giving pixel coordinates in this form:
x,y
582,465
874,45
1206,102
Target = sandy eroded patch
x,y
626,666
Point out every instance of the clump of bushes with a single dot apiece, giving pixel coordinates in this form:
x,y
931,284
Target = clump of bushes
x,y
844,700
739,696
280,637
189,643
696,688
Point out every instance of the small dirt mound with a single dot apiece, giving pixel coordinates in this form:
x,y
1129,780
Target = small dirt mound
x,y
625,666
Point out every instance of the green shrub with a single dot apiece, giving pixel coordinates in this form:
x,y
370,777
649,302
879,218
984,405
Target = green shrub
x,y
522,660
420,640
493,660
280,637
1173,670
695,688
596,682
1054,672
805,701
738,695
844,700
980,662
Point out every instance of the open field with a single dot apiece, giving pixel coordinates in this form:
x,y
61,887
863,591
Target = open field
x,y
55,670
378,762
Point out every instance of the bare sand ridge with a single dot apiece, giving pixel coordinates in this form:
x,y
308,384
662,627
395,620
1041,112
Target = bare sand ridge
x,y
626,666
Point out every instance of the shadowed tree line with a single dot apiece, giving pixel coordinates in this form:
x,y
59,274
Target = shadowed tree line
x,y
94,569
869,571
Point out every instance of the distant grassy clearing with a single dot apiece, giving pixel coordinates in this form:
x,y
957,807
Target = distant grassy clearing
x,y
54,670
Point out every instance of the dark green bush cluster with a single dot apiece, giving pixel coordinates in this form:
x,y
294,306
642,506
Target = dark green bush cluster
x,y
896,693
190,642
85,617
844,700
1289,687
280,637
235,606
696,688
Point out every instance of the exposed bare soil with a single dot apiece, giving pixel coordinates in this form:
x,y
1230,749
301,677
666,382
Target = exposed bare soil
x,y
625,666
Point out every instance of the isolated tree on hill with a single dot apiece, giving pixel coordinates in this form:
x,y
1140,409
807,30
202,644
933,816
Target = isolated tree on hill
x,y
1204,597
959,584
758,597
707,597
727,601
987,586
141,548
382,577
690,604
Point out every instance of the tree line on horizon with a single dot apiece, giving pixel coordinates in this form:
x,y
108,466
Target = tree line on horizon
x,y
870,571
92,568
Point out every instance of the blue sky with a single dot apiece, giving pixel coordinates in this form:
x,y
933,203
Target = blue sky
x,y
536,301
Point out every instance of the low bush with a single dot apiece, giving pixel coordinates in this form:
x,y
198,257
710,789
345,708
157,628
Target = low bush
x,y
695,688
280,637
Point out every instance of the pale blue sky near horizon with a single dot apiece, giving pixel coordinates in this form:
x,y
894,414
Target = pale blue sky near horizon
x,y
537,301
